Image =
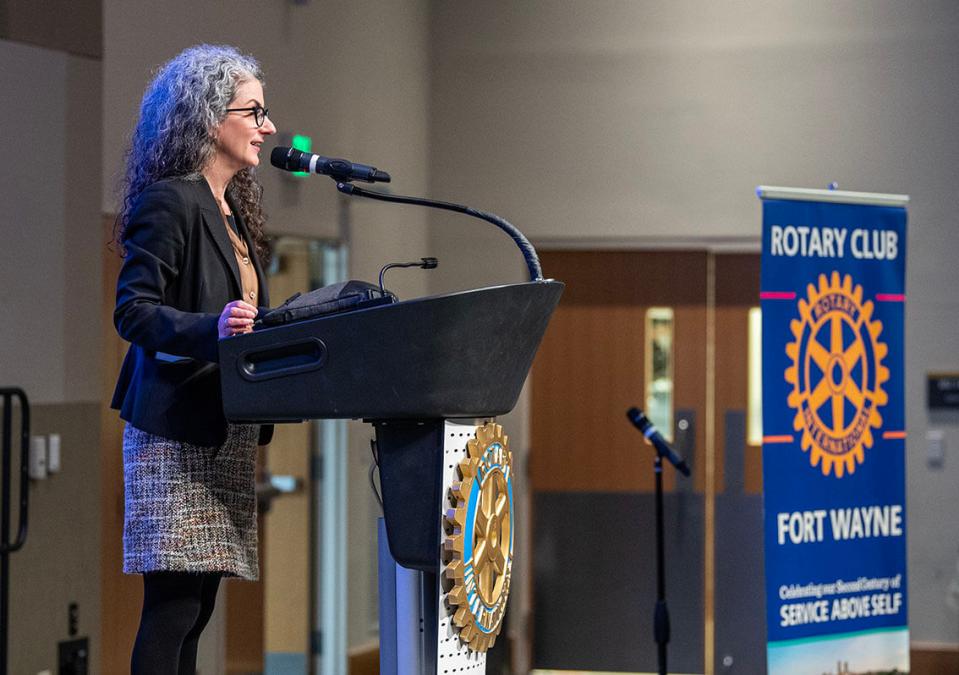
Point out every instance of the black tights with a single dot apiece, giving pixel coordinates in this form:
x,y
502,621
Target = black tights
x,y
176,609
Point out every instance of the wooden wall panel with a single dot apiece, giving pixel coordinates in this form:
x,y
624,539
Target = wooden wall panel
x,y
737,289
286,527
121,594
244,619
933,660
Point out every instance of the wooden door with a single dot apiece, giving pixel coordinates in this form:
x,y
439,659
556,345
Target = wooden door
x,y
594,519
740,621
592,473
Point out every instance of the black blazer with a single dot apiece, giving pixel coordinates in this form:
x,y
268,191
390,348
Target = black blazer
x,y
178,273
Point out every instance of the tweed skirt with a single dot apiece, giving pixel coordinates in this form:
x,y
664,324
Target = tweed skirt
x,y
190,508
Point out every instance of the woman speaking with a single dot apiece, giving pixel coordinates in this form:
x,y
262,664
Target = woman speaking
x,y
191,230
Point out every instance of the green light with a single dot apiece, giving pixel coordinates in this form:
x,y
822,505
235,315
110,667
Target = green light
x,y
304,144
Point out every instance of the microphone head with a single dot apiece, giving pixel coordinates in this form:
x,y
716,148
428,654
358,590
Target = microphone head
x,y
638,418
286,158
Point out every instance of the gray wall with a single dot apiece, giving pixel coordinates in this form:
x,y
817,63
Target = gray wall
x,y
619,123
51,224
71,26
50,342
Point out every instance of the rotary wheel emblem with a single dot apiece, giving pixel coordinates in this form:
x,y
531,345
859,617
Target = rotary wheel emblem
x,y
837,374
481,544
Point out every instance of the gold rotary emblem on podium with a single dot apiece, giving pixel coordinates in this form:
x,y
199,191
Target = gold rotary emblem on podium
x,y
481,544
837,374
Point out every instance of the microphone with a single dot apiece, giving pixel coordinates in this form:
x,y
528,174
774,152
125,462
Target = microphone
x,y
341,170
641,422
424,263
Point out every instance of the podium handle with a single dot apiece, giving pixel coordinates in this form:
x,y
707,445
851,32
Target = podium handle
x,y
282,359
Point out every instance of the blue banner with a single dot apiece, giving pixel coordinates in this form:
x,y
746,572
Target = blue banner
x,y
833,305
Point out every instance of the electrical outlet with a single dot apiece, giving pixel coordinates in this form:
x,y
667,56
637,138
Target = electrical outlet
x,y
935,448
37,461
53,453
74,655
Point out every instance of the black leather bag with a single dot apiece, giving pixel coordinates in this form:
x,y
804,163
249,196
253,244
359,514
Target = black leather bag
x,y
338,297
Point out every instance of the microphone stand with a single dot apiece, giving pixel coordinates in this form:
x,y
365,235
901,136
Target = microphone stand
x,y
529,253
661,628
661,612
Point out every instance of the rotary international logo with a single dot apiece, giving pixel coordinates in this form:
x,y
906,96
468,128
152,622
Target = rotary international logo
x,y
837,374
481,543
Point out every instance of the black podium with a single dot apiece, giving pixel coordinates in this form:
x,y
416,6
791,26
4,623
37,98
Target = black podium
x,y
423,372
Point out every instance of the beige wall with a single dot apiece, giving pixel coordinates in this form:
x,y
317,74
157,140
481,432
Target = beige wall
x,y
638,120
71,26
60,562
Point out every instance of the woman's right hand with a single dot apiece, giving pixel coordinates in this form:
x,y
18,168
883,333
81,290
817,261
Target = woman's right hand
x,y
236,317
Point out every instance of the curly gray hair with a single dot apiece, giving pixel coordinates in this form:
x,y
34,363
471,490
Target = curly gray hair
x,y
181,109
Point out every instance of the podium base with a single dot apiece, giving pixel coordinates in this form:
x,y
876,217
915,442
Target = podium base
x,y
417,633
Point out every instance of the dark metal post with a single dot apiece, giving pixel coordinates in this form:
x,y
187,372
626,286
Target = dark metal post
x,y
5,528
6,546
661,613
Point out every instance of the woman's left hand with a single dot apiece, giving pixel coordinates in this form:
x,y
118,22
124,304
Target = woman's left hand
x,y
236,317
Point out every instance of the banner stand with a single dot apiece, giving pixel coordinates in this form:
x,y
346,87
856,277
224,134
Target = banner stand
x,y
833,313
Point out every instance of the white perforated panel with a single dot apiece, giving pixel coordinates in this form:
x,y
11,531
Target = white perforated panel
x,y
453,656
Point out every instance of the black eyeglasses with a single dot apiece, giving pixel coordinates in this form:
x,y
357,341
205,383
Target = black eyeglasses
x,y
259,113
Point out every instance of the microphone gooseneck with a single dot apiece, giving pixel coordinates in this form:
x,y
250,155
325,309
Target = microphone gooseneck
x,y
344,172
529,253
